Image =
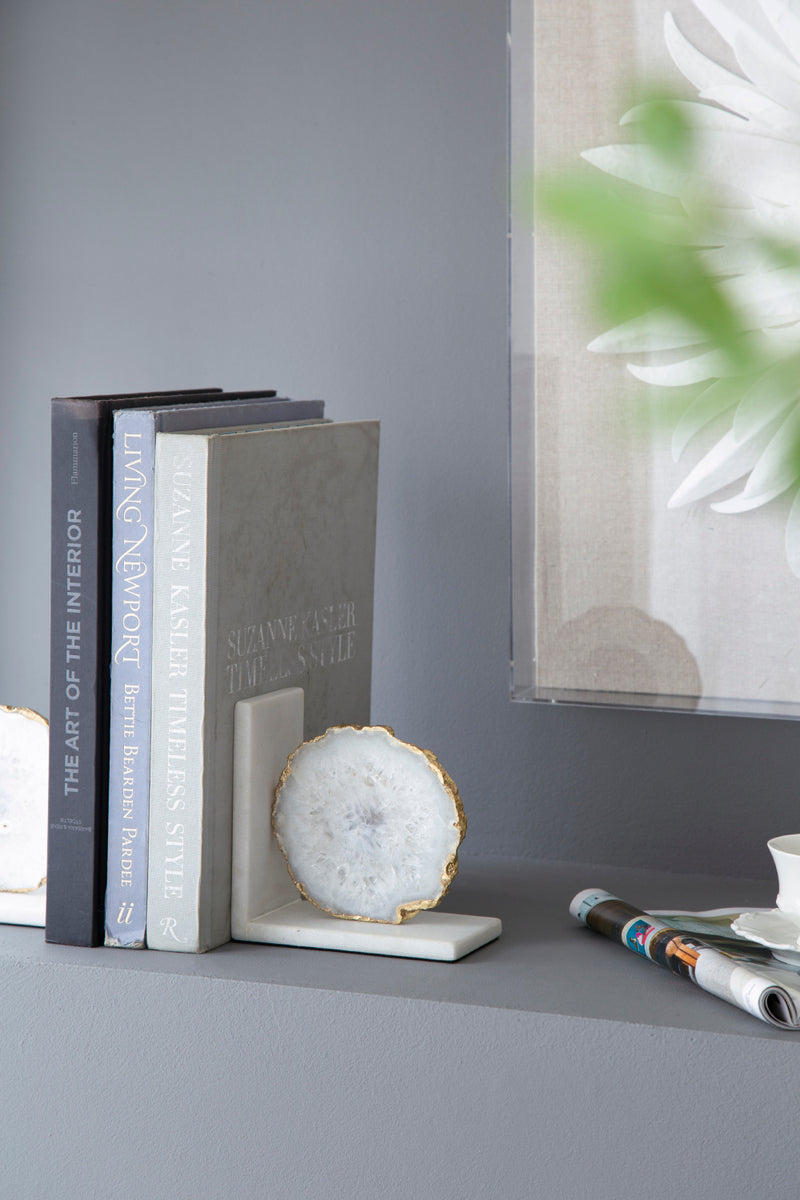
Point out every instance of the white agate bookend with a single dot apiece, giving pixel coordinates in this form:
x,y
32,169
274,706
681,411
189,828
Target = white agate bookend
x,y
371,863
24,751
369,826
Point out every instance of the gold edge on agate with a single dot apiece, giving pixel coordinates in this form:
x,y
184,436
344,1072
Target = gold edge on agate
x,y
31,715
410,909
22,891
25,712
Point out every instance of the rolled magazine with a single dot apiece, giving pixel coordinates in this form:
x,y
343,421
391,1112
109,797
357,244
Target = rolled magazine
x,y
743,973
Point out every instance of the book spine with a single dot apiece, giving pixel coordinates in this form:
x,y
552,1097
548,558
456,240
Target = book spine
x,y
178,812
78,680
131,654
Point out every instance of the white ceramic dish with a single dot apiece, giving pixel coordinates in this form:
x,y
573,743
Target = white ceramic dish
x,y
779,931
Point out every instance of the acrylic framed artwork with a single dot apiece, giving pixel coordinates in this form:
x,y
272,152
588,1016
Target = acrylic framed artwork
x,y
655,511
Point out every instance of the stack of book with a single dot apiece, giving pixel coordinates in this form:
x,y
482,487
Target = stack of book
x,y
206,547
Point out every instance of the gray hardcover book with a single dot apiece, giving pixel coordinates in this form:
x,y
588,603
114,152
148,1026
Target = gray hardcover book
x,y
131,633
263,579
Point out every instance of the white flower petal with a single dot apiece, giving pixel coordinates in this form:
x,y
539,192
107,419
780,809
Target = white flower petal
x,y
743,165
712,402
777,466
637,164
784,335
765,298
778,220
768,398
786,23
657,330
701,71
756,165
744,101
711,365
773,73
744,503
737,33
725,462
698,116
735,258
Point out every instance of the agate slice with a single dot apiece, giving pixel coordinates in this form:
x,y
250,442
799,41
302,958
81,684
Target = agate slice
x,y
24,742
369,825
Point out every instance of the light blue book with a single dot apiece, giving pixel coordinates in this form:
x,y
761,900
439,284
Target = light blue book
x,y
131,632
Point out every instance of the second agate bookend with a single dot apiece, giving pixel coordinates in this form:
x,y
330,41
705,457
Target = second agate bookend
x,y
23,908
265,906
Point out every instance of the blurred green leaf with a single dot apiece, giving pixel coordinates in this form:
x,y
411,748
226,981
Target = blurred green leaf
x,y
638,266
665,127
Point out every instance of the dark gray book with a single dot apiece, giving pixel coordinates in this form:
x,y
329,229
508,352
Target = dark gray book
x,y
80,625
263,579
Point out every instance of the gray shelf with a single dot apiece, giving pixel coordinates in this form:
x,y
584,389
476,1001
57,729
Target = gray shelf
x,y
549,1064
545,961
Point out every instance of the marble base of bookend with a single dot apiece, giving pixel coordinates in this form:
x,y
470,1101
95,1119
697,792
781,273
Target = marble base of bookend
x,y
23,908
264,903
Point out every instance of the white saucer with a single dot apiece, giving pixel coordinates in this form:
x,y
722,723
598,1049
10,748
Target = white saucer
x,y
778,930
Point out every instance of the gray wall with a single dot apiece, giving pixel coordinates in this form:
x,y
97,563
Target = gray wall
x,y
311,195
